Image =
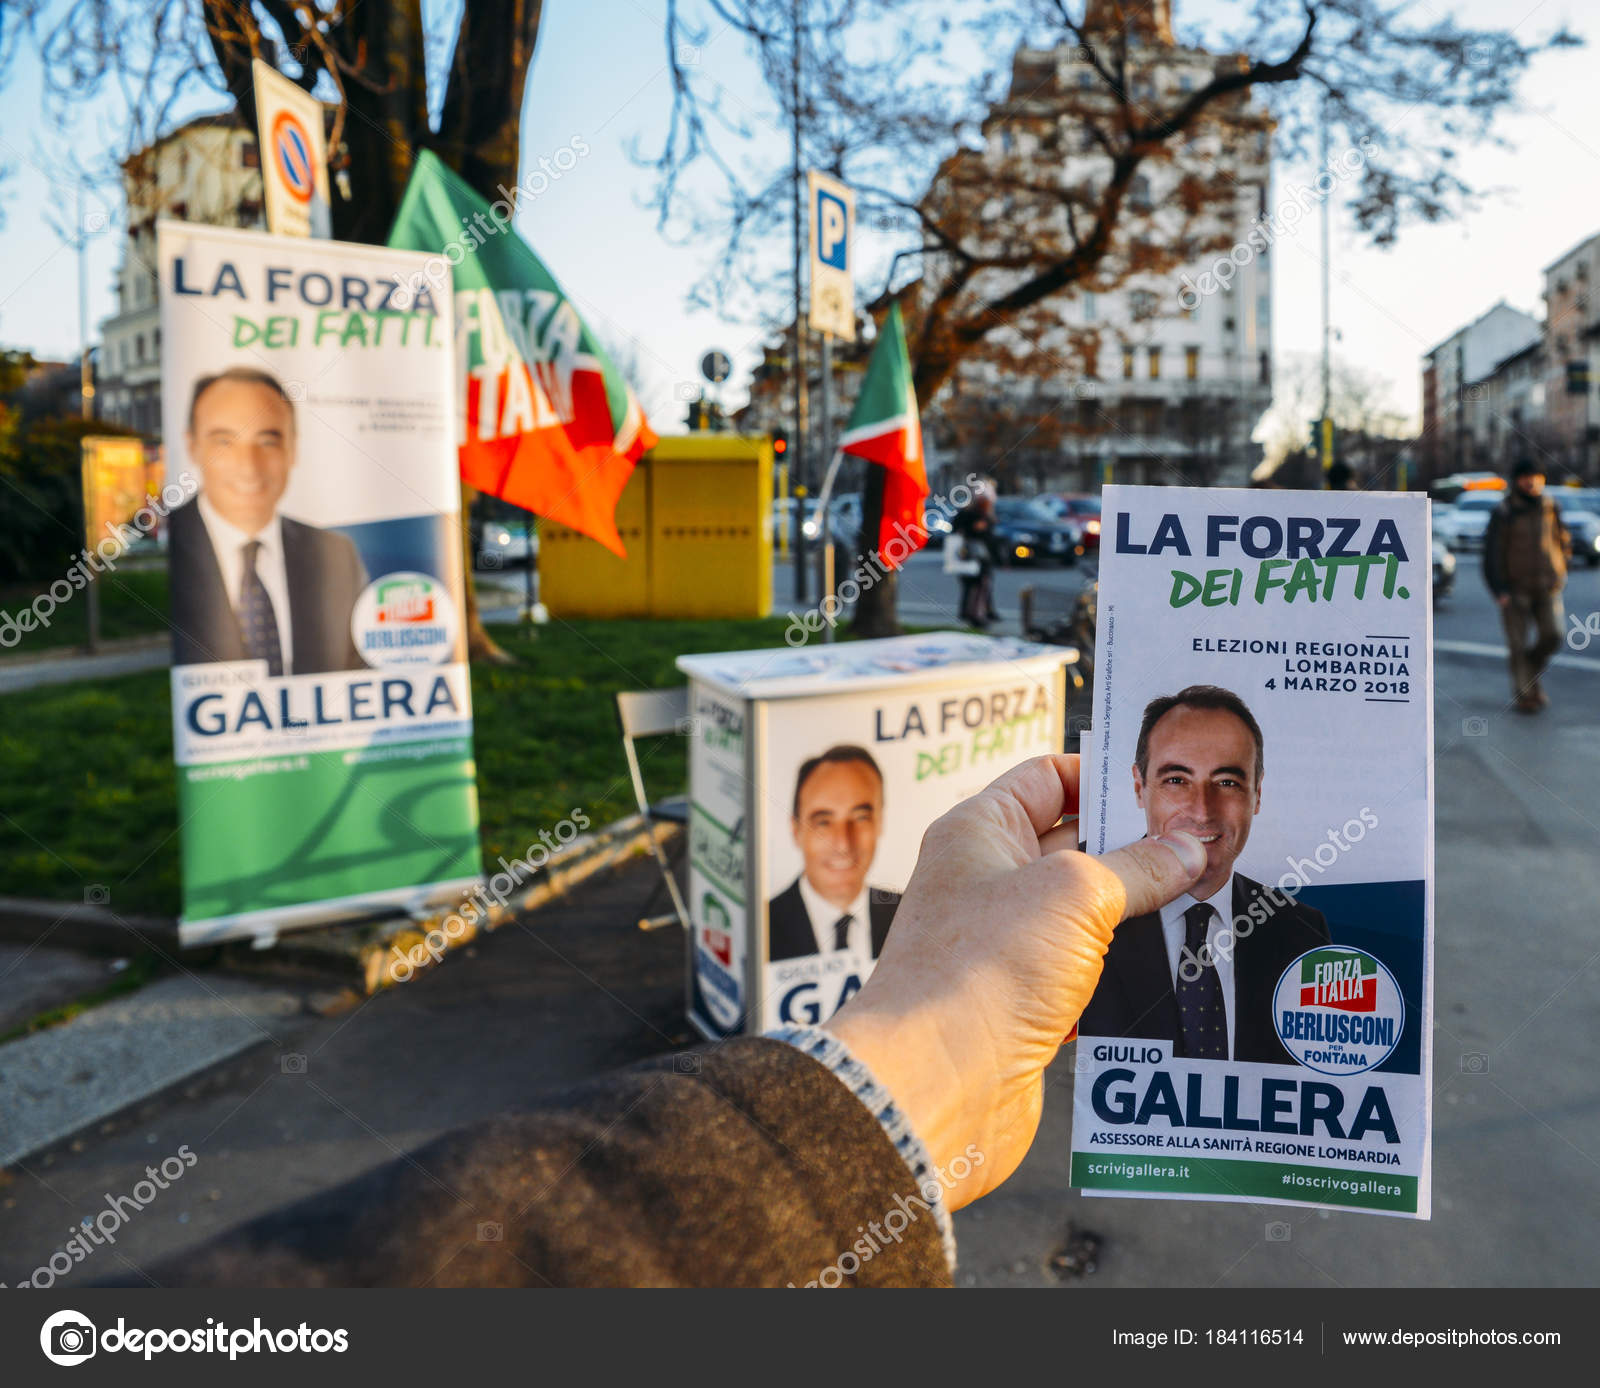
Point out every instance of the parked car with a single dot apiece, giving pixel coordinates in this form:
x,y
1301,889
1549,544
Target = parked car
x,y
783,512
1462,524
1083,511
505,547
1580,509
1029,533
844,518
1444,569
1447,489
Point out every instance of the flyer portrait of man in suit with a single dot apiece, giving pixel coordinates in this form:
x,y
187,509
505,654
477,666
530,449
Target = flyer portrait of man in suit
x,y
249,583
836,819
1201,972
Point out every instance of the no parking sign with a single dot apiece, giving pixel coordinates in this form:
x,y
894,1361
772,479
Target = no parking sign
x,y
294,157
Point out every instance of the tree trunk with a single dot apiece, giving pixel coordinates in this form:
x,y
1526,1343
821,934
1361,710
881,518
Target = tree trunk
x,y
480,645
875,613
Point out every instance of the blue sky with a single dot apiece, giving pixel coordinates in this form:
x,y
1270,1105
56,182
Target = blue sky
x,y
601,74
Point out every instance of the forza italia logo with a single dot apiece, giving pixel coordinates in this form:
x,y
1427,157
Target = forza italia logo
x,y
405,620
1338,1011
1346,981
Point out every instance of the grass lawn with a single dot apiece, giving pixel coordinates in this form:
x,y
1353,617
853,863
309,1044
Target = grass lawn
x,y
133,602
88,795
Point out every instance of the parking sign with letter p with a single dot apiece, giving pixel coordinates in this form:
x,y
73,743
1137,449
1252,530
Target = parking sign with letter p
x,y
833,215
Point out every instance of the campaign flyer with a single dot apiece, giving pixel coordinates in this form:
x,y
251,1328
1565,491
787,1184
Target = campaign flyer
x,y
1264,682
321,704
813,775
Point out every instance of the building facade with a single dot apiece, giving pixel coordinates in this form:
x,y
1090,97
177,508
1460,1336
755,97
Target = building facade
x,y
1153,368
1572,358
206,171
1478,393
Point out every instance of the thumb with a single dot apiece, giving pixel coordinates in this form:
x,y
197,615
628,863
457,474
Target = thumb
x,y
1154,871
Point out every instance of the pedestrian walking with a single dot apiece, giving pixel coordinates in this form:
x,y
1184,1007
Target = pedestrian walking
x,y
973,528
1525,554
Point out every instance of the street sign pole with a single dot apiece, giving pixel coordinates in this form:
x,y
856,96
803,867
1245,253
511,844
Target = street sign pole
x,y
86,396
833,312
797,360
827,591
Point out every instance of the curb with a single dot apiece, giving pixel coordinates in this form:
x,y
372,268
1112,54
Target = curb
x,y
385,953
121,645
370,956
82,926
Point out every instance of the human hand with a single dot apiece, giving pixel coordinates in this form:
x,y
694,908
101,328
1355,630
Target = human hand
x,y
995,951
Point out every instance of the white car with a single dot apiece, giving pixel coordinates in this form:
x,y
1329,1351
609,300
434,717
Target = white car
x,y
1462,525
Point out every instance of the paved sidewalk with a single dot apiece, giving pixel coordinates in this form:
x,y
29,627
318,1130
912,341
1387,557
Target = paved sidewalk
x,y
64,1079
67,667
570,991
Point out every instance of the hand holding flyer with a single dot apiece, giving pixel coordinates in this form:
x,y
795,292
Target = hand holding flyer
x,y
1004,924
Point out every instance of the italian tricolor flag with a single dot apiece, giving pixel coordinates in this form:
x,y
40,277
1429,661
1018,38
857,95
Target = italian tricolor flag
x,y
545,421
885,429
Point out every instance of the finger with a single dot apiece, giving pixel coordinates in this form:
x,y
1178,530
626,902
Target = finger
x,y
1045,787
1154,871
1066,835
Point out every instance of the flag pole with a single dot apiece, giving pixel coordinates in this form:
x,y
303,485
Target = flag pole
x,y
826,528
797,361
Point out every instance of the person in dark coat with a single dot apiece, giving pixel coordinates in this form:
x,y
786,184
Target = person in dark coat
x,y
974,524
1526,550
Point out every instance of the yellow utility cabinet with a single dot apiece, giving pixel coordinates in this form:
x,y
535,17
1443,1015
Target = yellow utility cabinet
x,y
696,518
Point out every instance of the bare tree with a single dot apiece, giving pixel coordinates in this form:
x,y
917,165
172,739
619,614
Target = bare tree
x,y
1359,401
154,61
1016,188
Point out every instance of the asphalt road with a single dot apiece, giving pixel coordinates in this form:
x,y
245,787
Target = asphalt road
x,y
573,991
928,596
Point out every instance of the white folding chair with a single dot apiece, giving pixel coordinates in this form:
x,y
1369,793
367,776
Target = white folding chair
x,y
656,713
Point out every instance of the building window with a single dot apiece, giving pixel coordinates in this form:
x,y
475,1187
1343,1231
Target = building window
x,y
138,347
249,155
1139,194
1127,363
1191,363
1142,305
1088,308
1155,363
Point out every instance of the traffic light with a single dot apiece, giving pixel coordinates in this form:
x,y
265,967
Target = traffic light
x,y
780,445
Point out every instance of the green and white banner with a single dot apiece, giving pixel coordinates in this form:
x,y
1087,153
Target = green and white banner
x,y
321,706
